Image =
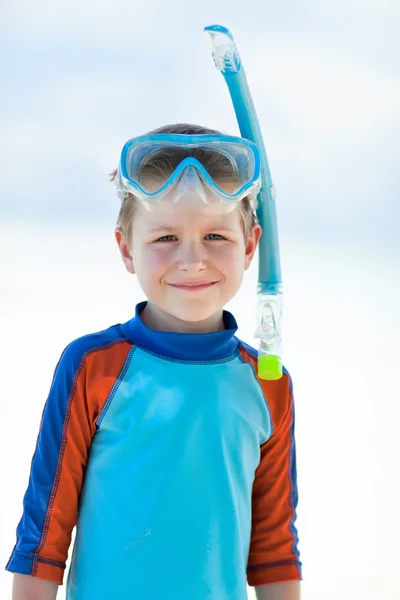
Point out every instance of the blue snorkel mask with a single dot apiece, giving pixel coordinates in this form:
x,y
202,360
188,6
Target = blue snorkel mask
x,y
187,179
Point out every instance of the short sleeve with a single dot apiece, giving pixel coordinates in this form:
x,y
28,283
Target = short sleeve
x,y
273,555
51,500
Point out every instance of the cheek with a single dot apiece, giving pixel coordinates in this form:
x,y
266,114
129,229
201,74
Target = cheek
x,y
154,260
230,258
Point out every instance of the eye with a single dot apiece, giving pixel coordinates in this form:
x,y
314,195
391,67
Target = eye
x,y
168,238
162,240
218,236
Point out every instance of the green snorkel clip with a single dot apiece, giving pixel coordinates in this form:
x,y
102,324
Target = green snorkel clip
x,y
269,292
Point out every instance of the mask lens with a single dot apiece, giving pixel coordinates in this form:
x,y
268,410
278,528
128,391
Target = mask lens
x,y
156,168
225,165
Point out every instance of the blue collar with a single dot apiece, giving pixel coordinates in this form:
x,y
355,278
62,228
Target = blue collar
x,y
184,346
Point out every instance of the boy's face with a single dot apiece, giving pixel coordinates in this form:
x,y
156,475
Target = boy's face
x,y
188,246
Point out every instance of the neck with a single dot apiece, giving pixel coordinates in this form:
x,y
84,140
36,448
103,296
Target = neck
x,y
155,318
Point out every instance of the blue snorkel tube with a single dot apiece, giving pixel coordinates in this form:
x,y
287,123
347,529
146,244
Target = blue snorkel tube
x,y
269,292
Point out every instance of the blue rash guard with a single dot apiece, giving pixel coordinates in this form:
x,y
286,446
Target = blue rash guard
x,y
174,461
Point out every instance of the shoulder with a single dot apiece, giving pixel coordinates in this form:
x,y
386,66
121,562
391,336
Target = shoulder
x,y
250,355
78,350
278,394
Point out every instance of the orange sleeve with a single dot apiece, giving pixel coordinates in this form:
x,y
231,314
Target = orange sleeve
x,y
273,555
81,385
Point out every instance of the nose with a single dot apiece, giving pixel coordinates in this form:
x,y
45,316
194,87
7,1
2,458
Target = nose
x,y
191,256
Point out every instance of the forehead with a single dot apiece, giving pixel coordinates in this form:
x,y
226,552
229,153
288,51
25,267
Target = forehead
x,y
184,218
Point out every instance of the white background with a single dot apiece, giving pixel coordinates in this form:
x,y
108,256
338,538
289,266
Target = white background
x,y
78,80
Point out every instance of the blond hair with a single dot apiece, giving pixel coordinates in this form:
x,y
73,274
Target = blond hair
x,y
218,168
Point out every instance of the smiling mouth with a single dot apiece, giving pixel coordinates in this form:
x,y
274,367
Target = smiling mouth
x,y
193,287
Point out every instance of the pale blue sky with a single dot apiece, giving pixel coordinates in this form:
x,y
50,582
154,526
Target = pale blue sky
x,y
80,77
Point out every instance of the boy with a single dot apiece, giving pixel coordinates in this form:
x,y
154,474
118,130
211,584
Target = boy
x,y
158,440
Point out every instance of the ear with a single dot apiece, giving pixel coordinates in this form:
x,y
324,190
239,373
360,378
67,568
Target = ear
x,y
125,252
252,245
